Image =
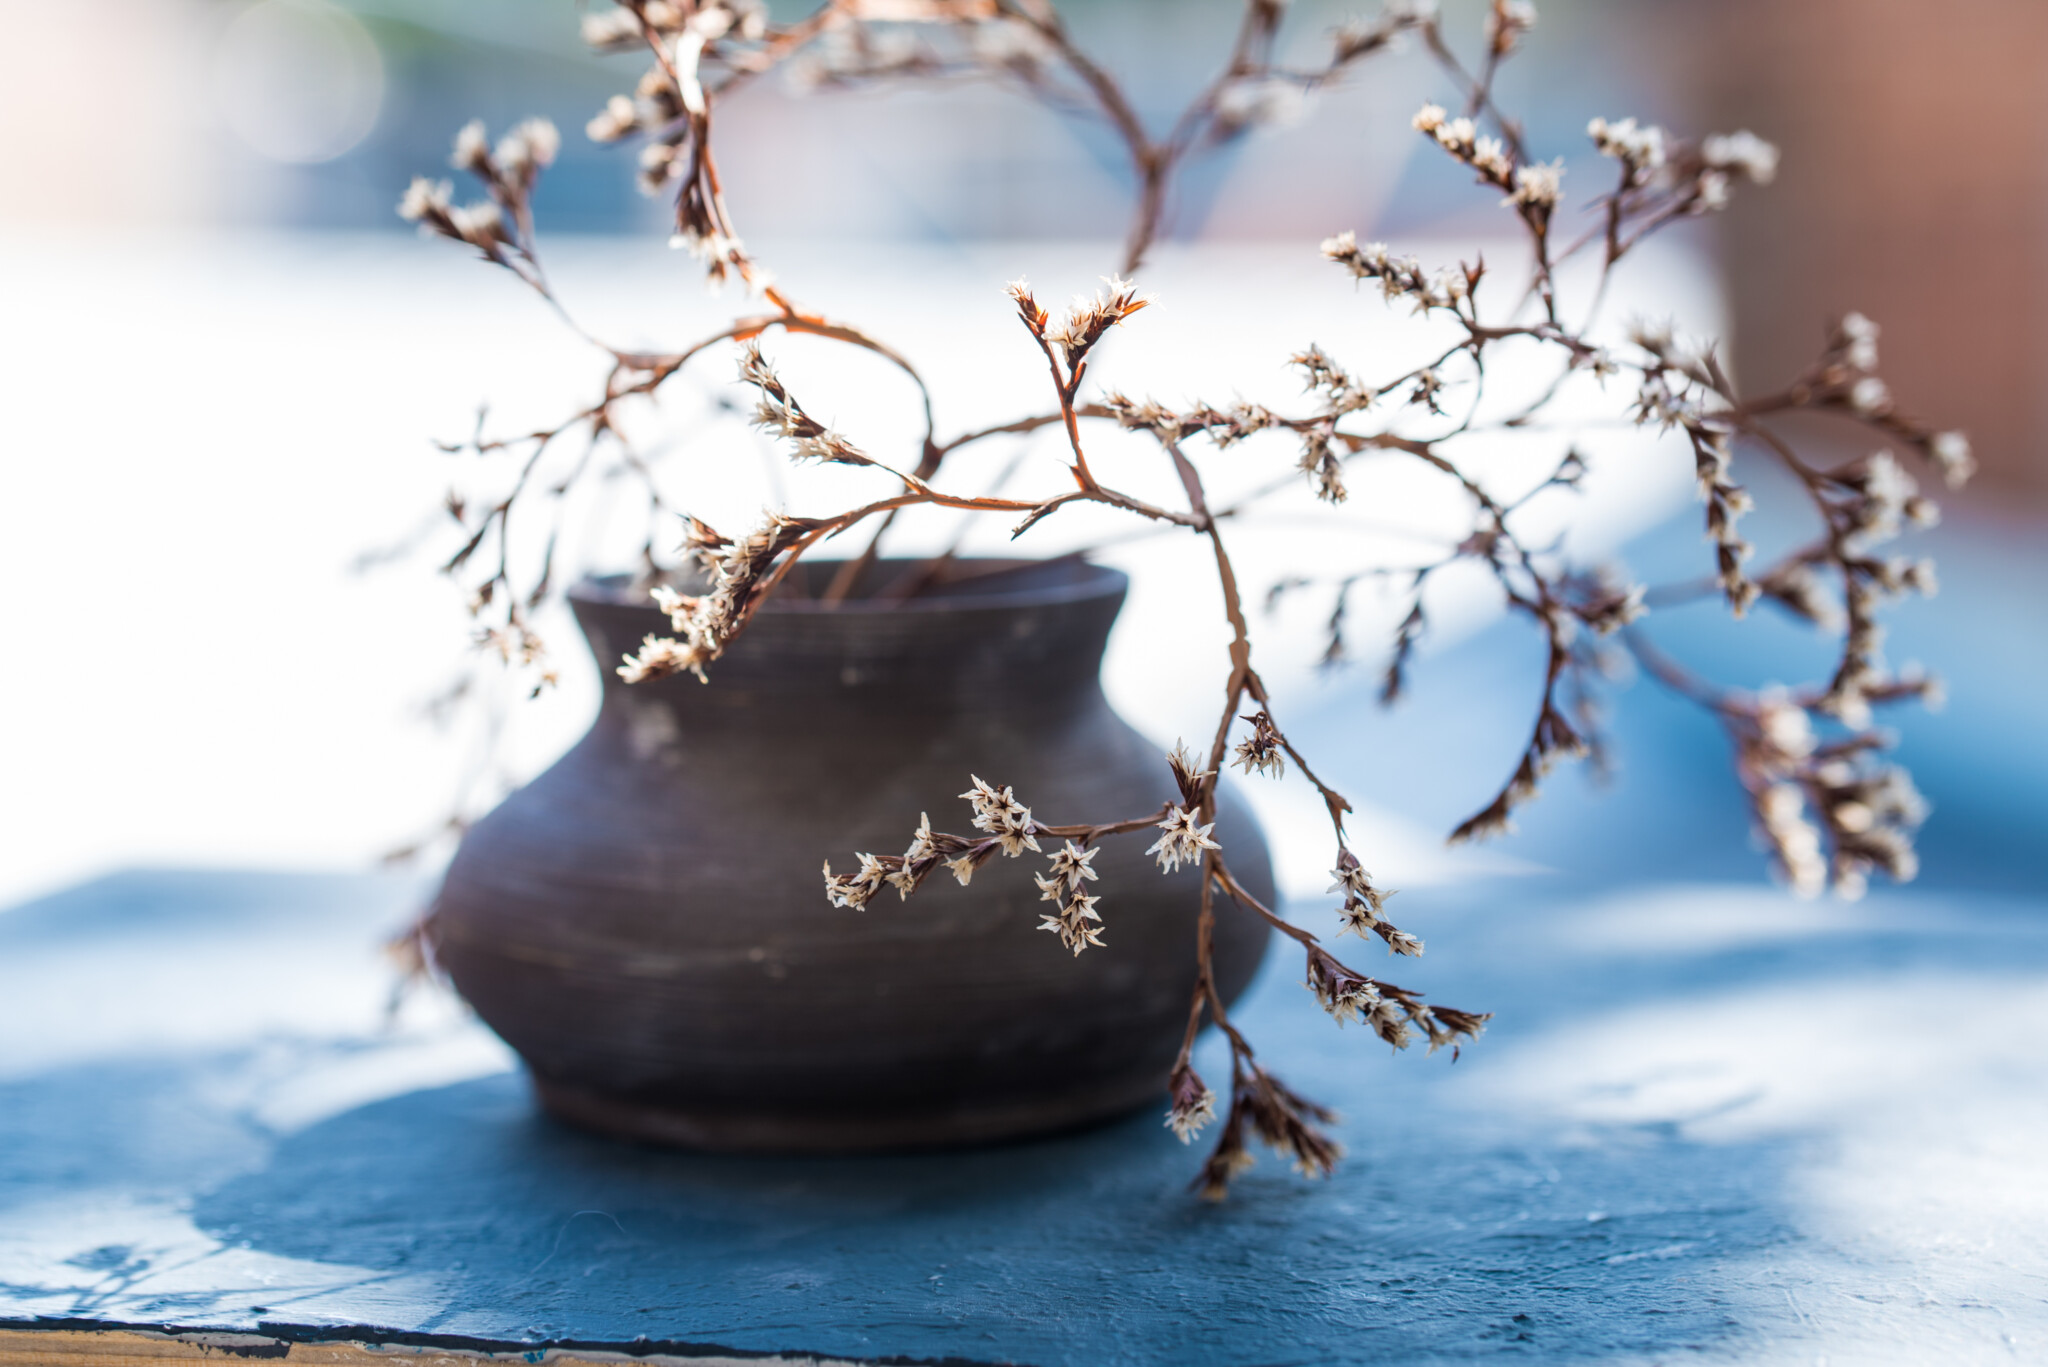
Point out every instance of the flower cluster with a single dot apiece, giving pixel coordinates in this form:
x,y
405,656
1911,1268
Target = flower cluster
x,y
1349,996
1193,1104
778,412
1677,385
1742,153
1007,829
1263,748
1830,811
1185,839
742,575
1400,277
1640,150
1532,189
1364,906
998,812
496,224
1281,1118
1086,320
1224,427
1077,923
1663,179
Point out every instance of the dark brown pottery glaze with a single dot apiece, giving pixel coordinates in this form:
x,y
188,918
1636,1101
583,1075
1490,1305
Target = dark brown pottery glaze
x,y
647,925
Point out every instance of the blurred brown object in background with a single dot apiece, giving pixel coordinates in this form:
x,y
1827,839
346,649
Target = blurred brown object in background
x,y
1915,189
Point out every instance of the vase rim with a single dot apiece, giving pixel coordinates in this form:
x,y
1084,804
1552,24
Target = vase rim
x,y
989,582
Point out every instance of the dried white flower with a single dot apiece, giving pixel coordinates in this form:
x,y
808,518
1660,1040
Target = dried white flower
x,y
1711,192
1184,840
472,147
619,117
1538,186
856,890
659,657
1951,451
1785,727
425,199
1742,151
1071,865
1641,149
1000,814
1263,748
1869,396
1193,1104
527,149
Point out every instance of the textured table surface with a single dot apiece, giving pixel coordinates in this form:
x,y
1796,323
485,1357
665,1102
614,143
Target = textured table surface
x,y
1709,1123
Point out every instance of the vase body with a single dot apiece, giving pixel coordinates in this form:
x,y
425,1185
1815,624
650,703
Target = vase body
x,y
646,922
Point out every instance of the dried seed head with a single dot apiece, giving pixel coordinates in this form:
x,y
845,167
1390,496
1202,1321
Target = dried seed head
x,y
1191,781
1346,995
1262,749
1193,1105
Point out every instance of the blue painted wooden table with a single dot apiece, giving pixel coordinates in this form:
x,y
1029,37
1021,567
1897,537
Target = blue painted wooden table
x,y
1710,1123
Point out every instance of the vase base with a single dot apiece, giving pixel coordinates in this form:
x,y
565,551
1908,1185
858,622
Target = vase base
x,y
893,1131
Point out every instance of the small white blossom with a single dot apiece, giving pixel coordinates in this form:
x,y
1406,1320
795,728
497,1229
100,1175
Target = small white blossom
x,y
1869,396
1712,192
1742,151
1071,865
856,890
1538,186
618,118
1786,728
659,657
424,198
1401,942
472,148
1951,451
1078,925
1641,149
1184,840
1194,1105
1002,816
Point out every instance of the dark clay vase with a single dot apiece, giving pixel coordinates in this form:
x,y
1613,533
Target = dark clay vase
x,y
646,922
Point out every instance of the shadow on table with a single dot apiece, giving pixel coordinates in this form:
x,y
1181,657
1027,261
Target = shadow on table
x,y
1083,1248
